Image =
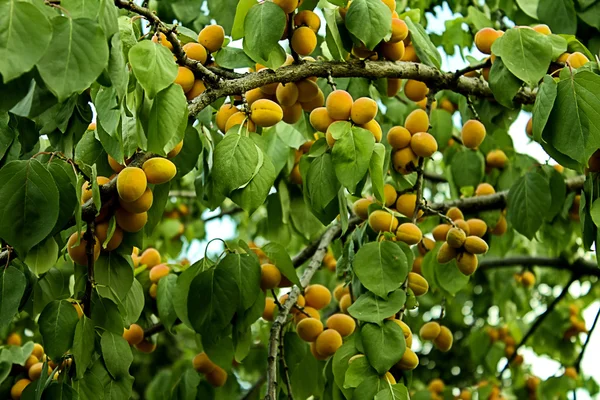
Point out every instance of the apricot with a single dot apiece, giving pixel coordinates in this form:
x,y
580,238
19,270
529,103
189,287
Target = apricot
x,y
153,291
410,54
475,245
239,118
309,329
360,208
417,121
146,346
417,284
255,94
316,102
391,4
217,377
425,246
131,222
266,113
309,91
404,160
528,279
446,253
197,89
398,137
150,257
313,350
288,6
159,170
456,237
203,364
577,59
374,127
320,119
102,234
393,86
409,233
38,350
144,203
467,263
472,133
406,204
393,51
304,41
477,227
363,110
195,51
225,111
86,189
339,105
382,221
269,276
409,360
292,114
342,323
415,90
399,31
131,183
312,313
389,195
417,264
269,310
430,330
158,272
36,371
345,302
31,360
543,29
529,127
484,189
162,39
340,290
212,37
77,253
440,232
390,378
328,342
287,94
405,331
317,296
423,144
185,79
134,335
114,164
454,213
14,339
176,150
484,39
309,19
444,340
17,389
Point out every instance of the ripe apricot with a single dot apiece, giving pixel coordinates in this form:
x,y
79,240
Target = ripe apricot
x,y
38,350
239,118
423,144
134,335
393,86
140,205
415,90
102,234
292,114
86,189
425,246
146,346
477,227
309,329
406,204
14,339
409,233
320,119
308,91
543,29
77,253
197,89
313,350
195,51
114,164
363,110
409,360
317,296
162,39
440,232
131,222
528,279
153,291
217,377
255,94
417,121
454,213
417,284
430,330
316,102
382,221
304,41
176,150
225,111
345,302
269,310
159,170
456,237
185,79
467,263
393,51
202,363
150,257
398,137
410,54
340,290
328,342
312,313
374,127
269,276
287,94
391,4
390,378
399,31
266,113
212,37
436,386
529,127
473,133
339,105
405,331
17,389
484,39
484,189
131,183
158,272
404,160
444,340
342,323
360,208
446,253
309,19
417,264
35,371
577,59
389,195
475,245
288,6
30,361
496,159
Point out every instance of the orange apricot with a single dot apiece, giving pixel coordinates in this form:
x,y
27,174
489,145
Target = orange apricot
x,y
77,253
195,51
304,41
134,335
363,110
415,90
339,105
266,113
270,276
472,133
212,37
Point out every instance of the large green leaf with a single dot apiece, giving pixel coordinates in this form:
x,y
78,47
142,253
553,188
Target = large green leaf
x,y
164,300
116,354
134,302
153,66
263,26
381,267
544,102
370,21
57,325
29,201
503,83
83,345
351,156
12,288
528,203
167,120
246,272
235,160
254,194
81,47
16,354
372,308
559,15
468,168
394,392
340,361
321,181
43,256
114,276
183,287
25,34
106,315
425,49
238,31
384,345
376,172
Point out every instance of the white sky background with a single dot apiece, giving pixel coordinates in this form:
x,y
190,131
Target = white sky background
x,y
541,366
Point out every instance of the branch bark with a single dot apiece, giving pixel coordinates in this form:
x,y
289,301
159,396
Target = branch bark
x,y
587,341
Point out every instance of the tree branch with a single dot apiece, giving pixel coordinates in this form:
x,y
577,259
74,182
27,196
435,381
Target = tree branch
x,y
579,267
90,243
587,341
433,177
231,211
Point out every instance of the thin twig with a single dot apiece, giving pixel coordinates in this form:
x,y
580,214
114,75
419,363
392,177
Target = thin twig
x,y
587,341
460,72
472,108
286,371
90,243
220,215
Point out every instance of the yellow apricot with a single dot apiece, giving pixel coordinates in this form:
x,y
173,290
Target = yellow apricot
x,y
340,290
571,372
225,111
404,160
102,234
447,105
389,194
31,360
374,127
529,127
360,208
425,246
328,342
317,296
391,4
309,329
484,189
313,350
440,232
304,41
134,335
176,150
163,40
197,89
309,19
390,378
140,205
393,86
150,257
496,159
153,291
14,339
316,102
382,221
410,54
473,133
185,79
423,144
393,51
477,227
131,183
406,204
543,29
320,119
409,360
202,363
436,386
409,233
399,31
456,237
266,113
406,331
444,340
77,253
464,394
131,222
146,346
287,94
528,279
312,313
484,39
446,253
239,118
255,94
292,114
430,330
415,90
159,170
454,214
417,121
217,377
17,389
270,276
212,37
345,302
363,110
467,263
269,310
417,284
339,105
114,164
398,137
36,371
86,189
342,323
577,59
38,350
195,51
158,272
288,6
308,91
475,245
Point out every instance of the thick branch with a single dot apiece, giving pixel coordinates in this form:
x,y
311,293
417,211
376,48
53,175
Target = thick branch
x,y
579,267
587,341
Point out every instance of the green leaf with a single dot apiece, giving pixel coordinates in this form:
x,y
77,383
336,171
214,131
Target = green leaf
x,y
83,345
254,194
183,287
503,83
263,26
333,34
57,326
370,21
425,49
558,14
116,354
393,392
281,259
25,34
153,66
106,315
372,308
12,288
238,31
29,201
232,57
468,168
340,362
81,46
384,345
351,155
376,165
544,102
245,269
167,120
359,370
160,198
321,181
16,354
235,160
114,276
526,53
528,203
444,276
134,302
381,267
42,257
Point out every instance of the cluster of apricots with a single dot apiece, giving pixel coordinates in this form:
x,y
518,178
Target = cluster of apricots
x,y
411,141
214,374
440,335
525,278
295,175
577,325
151,260
502,334
329,261
436,387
